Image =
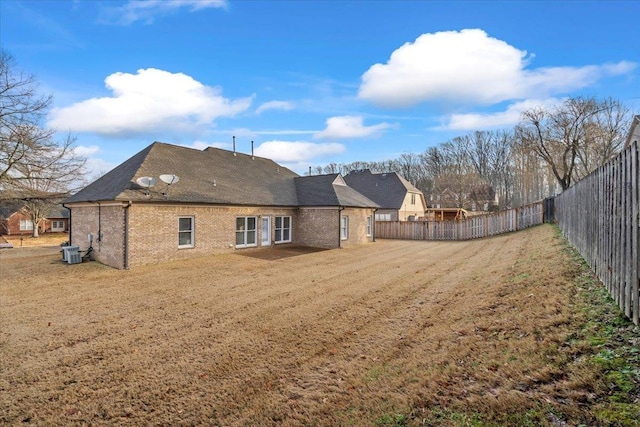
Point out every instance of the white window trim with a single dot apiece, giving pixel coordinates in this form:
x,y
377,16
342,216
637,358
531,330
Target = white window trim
x,y
57,225
275,225
344,227
191,232
246,230
369,226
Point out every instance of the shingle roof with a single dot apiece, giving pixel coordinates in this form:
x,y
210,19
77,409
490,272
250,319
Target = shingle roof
x,y
386,189
214,176
329,190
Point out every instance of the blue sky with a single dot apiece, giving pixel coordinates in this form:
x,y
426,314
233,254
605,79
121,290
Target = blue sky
x,y
313,82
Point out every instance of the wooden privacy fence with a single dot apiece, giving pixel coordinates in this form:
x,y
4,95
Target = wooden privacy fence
x,y
474,227
599,216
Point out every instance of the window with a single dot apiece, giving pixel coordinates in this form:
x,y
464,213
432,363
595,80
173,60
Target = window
x,y
246,231
26,224
413,199
57,225
185,232
283,229
344,227
383,217
369,223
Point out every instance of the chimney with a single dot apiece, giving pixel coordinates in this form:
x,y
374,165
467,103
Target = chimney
x,y
234,145
252,150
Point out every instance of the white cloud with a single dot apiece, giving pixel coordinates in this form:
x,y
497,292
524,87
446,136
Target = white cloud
x,y
84,151
470,66
147,10
509,117
297,151
349,127
274,105
150,100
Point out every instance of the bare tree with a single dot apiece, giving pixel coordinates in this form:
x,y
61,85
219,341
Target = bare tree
x,y
576,137
29,151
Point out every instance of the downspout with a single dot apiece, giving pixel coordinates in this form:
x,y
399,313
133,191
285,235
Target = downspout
x,y
69,209
126,235
340,209
373,226
99,238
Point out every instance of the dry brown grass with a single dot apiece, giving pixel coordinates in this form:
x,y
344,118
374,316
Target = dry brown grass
x,y
394,333
46,239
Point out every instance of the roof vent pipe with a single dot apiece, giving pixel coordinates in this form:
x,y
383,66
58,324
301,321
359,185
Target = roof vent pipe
x,y
252,150
234,145
309,170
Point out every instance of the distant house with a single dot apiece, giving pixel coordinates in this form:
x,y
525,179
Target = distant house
x,y
634,131
480,198
15,220
399,200
221,201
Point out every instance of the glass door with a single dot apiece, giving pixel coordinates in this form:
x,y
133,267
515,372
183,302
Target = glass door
x,y
266,231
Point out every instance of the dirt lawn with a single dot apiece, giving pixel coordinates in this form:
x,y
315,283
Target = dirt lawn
x,y
380,334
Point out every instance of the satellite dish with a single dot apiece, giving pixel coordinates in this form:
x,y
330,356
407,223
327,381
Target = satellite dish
x,y
146,182
169,178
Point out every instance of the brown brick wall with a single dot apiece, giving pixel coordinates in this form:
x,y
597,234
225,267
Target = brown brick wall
x,y
108,220
357,226
318,228
153,230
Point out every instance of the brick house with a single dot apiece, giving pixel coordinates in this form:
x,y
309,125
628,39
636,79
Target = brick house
x,y
399,200
15,220
222,201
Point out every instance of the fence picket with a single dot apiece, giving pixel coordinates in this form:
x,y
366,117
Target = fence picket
x,y
599,215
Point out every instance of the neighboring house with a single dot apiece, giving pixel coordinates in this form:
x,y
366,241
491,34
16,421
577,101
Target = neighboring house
x,y
399,200
222,201
481,198
15,220
634,131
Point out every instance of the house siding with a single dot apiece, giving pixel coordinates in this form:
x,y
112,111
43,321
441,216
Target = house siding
x,y
409,209
357,226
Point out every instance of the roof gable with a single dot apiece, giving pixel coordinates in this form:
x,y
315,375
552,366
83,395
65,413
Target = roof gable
x,y
329,190
386,189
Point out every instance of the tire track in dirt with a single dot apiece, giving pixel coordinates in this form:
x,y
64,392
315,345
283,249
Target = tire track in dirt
x,y
316,373
361,324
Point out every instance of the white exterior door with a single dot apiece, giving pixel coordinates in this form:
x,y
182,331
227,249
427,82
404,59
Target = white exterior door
x,y
266,231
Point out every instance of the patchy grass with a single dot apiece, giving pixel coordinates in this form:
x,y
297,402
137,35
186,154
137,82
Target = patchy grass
x,y
511,330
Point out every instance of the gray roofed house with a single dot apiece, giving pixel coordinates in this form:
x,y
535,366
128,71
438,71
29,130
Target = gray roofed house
x,y
221,201
399,200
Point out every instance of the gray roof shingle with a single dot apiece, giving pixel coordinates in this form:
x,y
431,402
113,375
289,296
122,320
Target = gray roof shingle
x,y
386,189
216,176
329,190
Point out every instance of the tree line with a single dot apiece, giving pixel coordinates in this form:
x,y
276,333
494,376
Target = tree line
x,y
545,153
